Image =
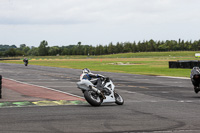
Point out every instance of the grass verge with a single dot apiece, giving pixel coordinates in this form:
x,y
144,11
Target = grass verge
x,y
146,63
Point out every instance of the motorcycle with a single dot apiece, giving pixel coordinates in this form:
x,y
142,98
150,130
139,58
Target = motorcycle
x,y
96,97
25,62
195,78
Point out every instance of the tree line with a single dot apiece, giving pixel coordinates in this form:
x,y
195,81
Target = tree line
x,y
119,47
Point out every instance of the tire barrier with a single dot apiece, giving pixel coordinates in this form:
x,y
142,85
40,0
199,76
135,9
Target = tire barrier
x,y
0,86
184,64
9,59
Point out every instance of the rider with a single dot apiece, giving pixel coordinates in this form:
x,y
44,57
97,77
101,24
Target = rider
x,y
195,78
95,79
25,60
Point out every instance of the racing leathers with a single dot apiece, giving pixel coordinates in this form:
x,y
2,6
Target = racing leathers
x,y
25,60
95,79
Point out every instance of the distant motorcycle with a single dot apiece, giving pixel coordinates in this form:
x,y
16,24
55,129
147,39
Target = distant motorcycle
x,y
25,61
96,97
195,78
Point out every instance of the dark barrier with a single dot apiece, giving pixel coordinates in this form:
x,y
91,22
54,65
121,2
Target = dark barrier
x,y
184,64
0,86
9,59
173,64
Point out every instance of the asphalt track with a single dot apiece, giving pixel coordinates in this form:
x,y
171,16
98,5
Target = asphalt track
x,y
152,104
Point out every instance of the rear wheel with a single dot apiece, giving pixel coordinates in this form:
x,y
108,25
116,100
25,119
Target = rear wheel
x,y
118,99
196,89
93,98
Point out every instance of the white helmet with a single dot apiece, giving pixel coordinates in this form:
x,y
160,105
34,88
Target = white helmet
x,y
85,70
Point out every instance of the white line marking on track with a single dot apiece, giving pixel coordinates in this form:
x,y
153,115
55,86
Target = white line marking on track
x,y
174,77
176,131
43,79
129,92
50,82
62,86
164,92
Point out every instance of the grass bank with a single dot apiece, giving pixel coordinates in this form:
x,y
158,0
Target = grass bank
x,y
147,63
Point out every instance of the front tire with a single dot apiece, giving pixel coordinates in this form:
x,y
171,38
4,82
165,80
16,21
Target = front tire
x,y
93,98
118,99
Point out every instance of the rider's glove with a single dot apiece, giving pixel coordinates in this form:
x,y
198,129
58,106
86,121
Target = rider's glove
x,y
101,76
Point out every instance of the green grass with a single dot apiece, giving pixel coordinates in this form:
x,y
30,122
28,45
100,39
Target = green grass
x,y
147,63
170,54
152,54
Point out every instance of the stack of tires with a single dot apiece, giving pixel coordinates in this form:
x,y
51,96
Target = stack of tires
x,y
184,64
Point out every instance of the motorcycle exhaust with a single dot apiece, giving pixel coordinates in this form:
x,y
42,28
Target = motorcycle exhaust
x,y
95,89
98,91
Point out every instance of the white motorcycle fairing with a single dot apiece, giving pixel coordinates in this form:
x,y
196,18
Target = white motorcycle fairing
x,y
110,98
95,96
84,84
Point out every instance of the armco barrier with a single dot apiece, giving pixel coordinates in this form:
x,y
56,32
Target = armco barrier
x,y
184,64
0,86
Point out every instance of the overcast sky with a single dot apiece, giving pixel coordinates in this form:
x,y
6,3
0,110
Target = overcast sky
x,y
94,22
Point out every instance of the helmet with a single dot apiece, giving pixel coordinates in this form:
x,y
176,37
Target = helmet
x,y
85,70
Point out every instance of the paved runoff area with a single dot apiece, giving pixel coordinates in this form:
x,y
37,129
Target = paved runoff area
x,y
39,99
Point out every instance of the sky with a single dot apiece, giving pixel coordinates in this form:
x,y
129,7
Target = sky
x,y
97,22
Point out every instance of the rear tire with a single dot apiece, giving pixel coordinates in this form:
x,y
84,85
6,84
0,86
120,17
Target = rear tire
x,y
93,98
118,99
196,89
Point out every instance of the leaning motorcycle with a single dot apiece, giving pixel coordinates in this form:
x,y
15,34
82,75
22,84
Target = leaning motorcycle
x,y
96,97
195,78
26,63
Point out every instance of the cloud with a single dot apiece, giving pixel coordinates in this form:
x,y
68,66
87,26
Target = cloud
x,y
97,21
93,11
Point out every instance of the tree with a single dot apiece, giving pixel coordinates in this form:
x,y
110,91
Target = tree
x,y
43,48
141,47
22,46
152,45
134,47
10,52
54,50
119,47
65,51
127,47
78,49
33,51
111,48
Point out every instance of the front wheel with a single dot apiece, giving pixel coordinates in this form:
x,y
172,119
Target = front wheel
x,y
118,99
93,98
